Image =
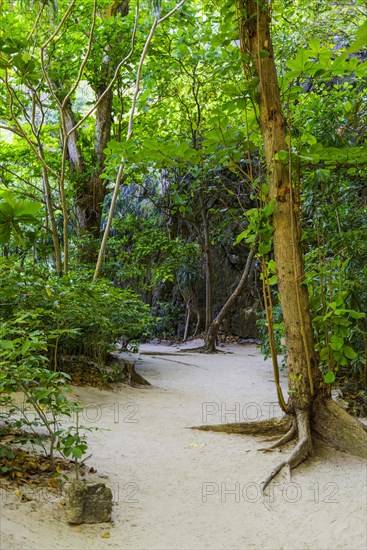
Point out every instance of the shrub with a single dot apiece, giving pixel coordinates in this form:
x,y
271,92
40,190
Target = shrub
x,y
45,395
75,316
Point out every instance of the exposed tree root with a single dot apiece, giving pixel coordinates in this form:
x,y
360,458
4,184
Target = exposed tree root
x,y
289,436
338,429
131,377
327,421
301,451
182,363
274,426
154,353
297,456
203,349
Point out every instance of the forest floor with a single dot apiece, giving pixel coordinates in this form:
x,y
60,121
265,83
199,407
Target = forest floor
x,y
176,488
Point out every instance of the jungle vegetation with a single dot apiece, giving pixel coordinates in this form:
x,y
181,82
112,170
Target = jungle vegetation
x,y
139,142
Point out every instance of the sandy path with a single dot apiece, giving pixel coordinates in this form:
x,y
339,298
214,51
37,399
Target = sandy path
x,y
178,489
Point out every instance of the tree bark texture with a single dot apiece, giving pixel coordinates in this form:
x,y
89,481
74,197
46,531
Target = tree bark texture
x,y
255,40
89,190
311,412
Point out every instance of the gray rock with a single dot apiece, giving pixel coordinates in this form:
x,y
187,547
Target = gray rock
x,y
87,502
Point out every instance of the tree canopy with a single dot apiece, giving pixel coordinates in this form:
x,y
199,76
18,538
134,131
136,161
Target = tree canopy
x,y
150,152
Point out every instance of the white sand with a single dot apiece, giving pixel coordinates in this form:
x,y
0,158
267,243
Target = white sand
x,y
182,489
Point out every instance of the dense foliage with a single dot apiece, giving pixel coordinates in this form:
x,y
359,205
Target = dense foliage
x,y
88,105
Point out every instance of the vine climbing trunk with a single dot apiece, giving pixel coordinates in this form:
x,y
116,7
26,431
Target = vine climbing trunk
x,y
255,40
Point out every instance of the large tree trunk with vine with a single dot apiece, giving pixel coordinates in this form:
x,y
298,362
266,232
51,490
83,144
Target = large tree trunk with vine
x,y
311,410
301,361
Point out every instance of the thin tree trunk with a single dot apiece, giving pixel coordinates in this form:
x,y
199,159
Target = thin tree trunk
x,y
51,214
211,336
120,176
208,265
187,321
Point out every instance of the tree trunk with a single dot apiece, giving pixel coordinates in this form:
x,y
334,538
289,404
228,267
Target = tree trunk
x,y
51,214
313,412
302,365
91,191
211,336
208,264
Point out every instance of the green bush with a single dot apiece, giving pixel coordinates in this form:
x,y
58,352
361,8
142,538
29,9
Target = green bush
x,y
45,396
76,316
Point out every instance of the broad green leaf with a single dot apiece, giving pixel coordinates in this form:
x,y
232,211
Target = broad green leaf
x,y
6,344
329,377
240,237
336,342
269,208
264,248
324,354
356,314
360,41
349,352
26,57
281,156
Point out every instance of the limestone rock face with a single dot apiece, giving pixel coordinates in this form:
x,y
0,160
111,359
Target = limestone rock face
x,y
87,503
241,319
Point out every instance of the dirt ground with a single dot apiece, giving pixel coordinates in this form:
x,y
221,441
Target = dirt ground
x,y
176,488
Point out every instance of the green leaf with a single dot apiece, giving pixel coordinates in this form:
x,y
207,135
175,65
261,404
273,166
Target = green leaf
x,y
5,233
6,344
361,39
26,57
77,452
269,208
349,352
281,156
356,314
301,63
324,354
314,45
348,107
115,146
336,342
329,377
240,237
264,248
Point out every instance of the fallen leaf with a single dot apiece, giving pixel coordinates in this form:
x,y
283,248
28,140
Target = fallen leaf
x,y
52,482
197,445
